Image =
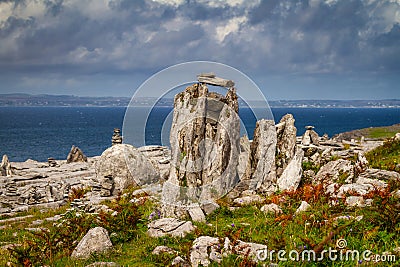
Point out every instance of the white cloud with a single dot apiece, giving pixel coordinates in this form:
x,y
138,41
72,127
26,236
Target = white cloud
x,y
170,2
231,26
231,3
5,11
83,55
93,9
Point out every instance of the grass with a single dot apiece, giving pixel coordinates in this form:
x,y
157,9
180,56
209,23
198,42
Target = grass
x,y
382,132
316,229
385,157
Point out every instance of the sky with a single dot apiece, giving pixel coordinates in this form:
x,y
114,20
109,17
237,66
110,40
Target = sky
x,y
308,49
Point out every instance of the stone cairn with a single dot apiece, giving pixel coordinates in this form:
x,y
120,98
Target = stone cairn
x,y
116,138
5,167
52,162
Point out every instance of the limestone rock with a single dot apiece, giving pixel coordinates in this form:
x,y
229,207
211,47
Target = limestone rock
x,y
210,78
209,207
360,189
355,201
304,206
397,137
169,226
160,156
204,248
286,142
310,137
5,167
204,146
271,208
339,170
125,166
248,249
248,200
260,172
291,176
379,184
103,264
179,261
76,155
95,241
244,156
196,214
380,174
163,250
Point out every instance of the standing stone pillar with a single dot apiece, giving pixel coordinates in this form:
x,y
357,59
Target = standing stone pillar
x,y
205,149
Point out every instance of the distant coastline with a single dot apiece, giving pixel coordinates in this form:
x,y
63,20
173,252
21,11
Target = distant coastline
x,y
27,100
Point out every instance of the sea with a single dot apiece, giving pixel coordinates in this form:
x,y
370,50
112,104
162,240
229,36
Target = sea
x,y
41,132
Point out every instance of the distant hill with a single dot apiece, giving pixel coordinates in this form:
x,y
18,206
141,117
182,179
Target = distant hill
x,y
44,100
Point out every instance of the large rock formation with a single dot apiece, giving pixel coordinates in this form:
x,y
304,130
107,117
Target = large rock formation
x,y
122,165
204,145
76,155
260,172
286,143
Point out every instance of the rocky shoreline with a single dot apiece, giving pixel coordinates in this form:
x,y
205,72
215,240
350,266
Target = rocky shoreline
x,y
208,160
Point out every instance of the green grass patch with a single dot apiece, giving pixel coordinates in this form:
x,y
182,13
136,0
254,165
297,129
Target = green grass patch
x,y
386,157
381,132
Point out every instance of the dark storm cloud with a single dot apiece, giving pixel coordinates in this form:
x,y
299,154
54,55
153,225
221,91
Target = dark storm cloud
x,y
70,37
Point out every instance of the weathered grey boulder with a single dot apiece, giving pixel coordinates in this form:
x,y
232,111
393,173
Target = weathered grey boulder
x,y
209,207
271,208
125,166
249,250
260,172
286,142
163,250
160,156
380,174
204,146
310,137
76,155
248,200
205,249
169,226
397,137
5,167
304,206
196,213
379,184
355,201
336,171
179,261
95,241
291,176
359,189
